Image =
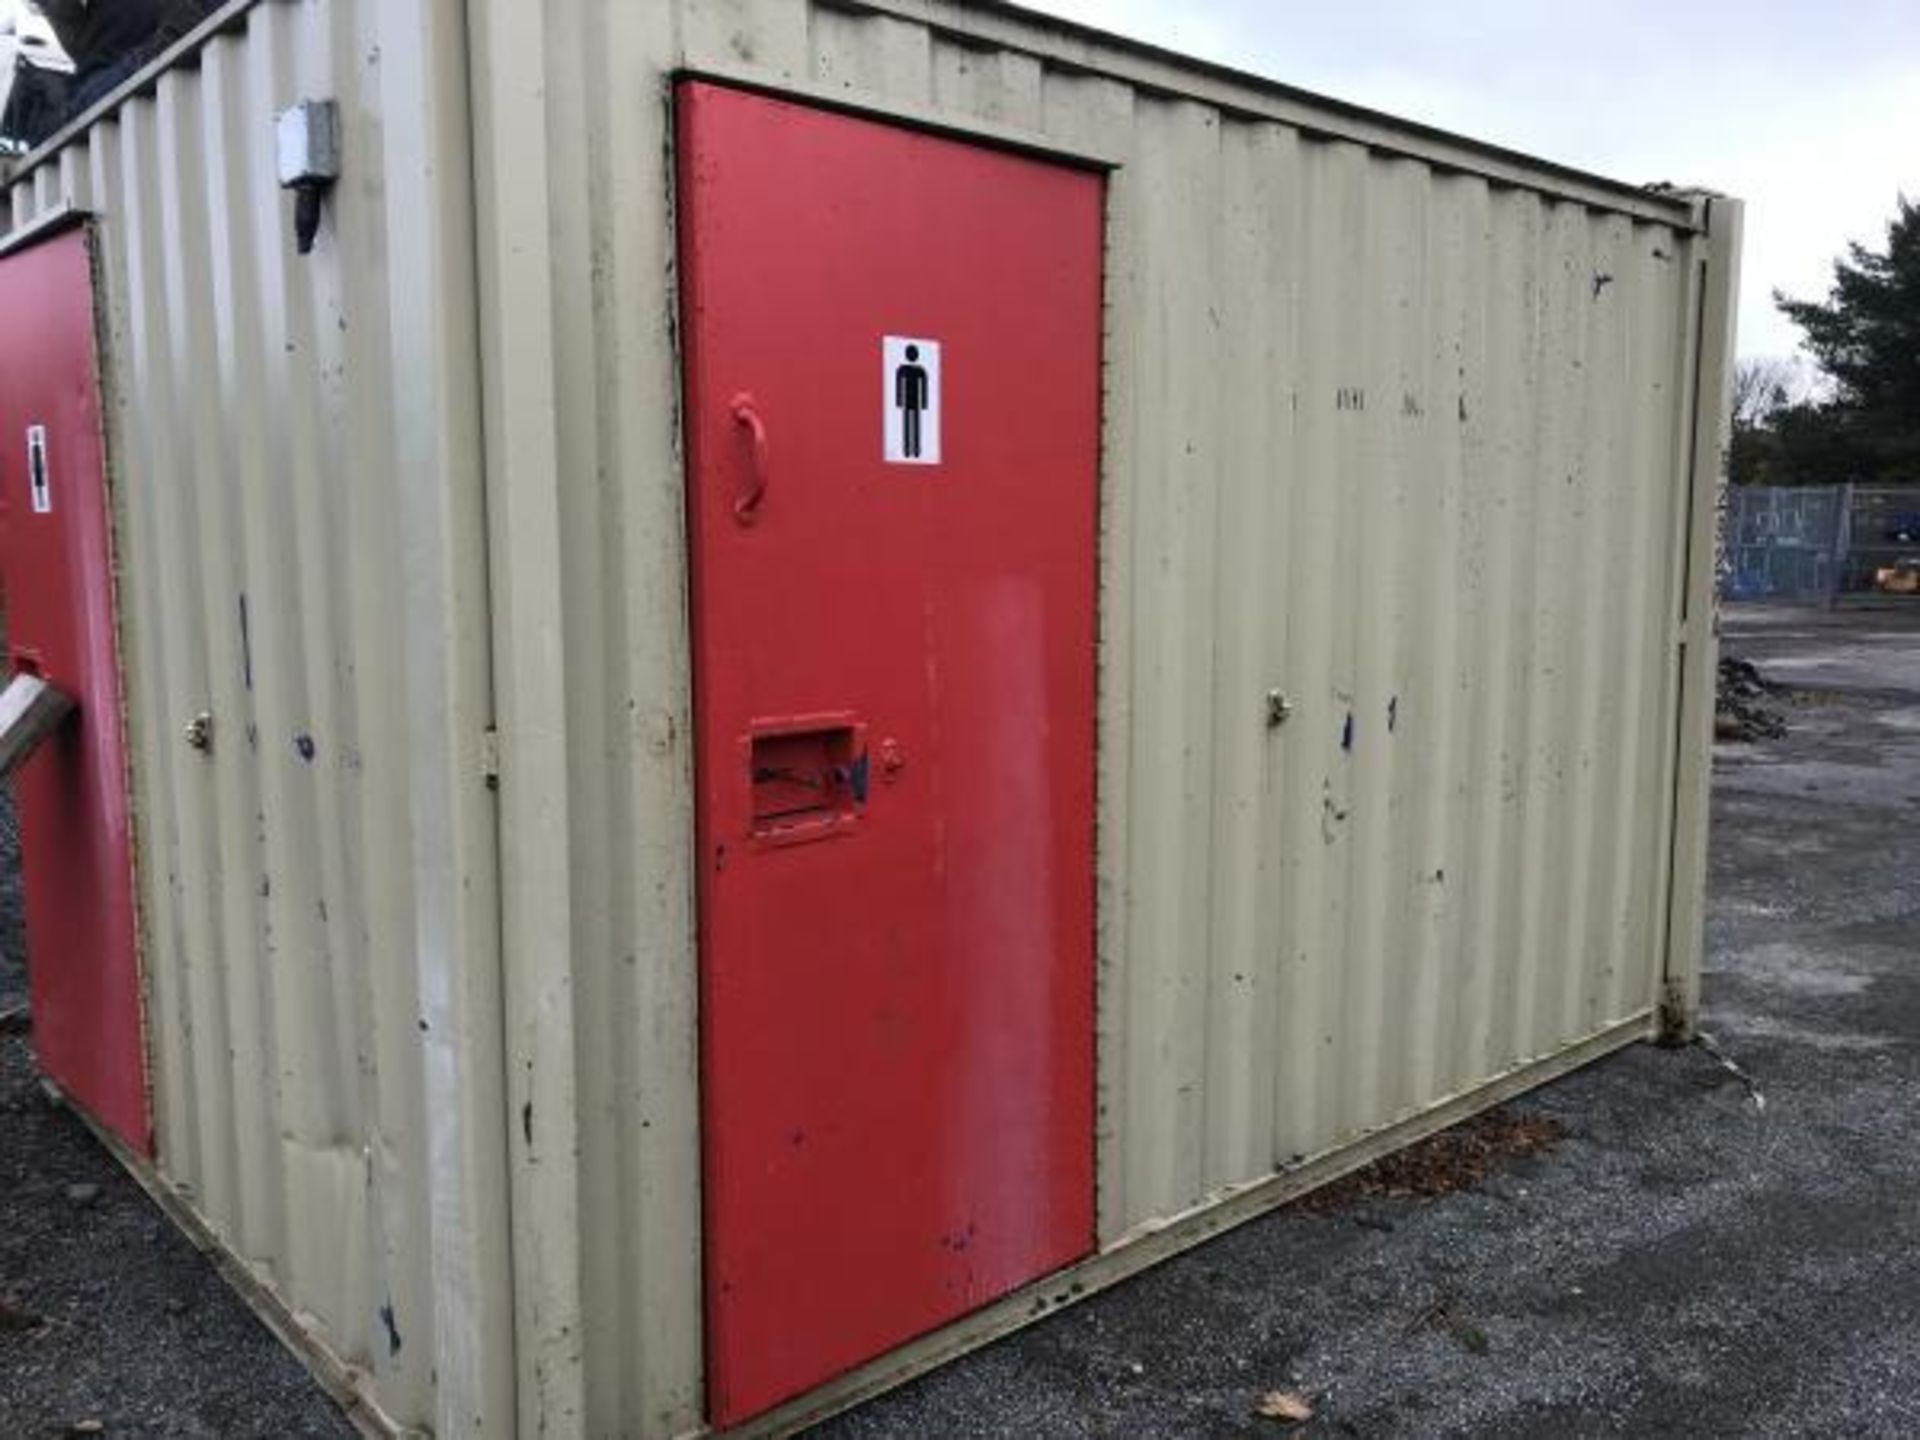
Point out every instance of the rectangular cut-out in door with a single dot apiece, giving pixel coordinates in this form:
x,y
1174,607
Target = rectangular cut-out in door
x,y
897,1023
56,565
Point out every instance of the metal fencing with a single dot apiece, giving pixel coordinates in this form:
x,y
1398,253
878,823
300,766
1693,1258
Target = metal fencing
x,y
1879,544
1780,543
1822,544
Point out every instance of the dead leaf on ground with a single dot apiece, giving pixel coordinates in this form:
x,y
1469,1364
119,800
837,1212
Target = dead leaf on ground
x,y
1456,1159
1284,1405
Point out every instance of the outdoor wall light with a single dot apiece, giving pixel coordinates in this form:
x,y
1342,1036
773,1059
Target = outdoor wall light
x,y
308,136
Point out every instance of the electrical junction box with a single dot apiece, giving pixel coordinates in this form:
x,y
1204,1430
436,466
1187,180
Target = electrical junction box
x,y
307,144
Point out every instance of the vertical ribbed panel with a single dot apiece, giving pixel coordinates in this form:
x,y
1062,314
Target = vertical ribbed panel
x,y
293,550
576,146
630,797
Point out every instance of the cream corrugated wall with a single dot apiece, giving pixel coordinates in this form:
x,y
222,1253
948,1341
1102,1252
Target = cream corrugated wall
x,y
1434,520
297,486
1394,428
1399,433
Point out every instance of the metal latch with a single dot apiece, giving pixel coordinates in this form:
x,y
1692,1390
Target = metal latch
x,y
198,732
490,757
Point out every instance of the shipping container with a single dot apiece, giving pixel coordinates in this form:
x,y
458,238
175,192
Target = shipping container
x,y
829,672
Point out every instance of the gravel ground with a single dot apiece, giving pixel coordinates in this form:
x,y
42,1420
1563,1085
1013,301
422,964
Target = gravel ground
x,y
13,973
107,1314
1662,1256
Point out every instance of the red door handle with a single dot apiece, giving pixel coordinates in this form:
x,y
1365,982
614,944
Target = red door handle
x,y
746,414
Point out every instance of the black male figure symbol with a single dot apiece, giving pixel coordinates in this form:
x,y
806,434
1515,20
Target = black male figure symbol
x,y
910,398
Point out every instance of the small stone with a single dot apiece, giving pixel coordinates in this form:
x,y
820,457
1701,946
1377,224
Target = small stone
x,y
85,1193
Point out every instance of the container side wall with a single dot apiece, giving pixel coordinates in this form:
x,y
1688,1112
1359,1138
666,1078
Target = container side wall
x,y
1393,440
295,468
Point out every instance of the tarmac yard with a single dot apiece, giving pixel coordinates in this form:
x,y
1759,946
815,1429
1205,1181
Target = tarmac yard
x,y
1664,1243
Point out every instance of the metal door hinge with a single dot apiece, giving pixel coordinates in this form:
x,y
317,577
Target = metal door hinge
x,y
490,757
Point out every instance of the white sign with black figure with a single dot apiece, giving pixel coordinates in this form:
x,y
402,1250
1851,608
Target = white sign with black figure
x,y
910,400
38,481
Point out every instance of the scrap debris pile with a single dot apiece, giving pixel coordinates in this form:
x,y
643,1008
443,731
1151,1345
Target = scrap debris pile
x,y
1741,711
1458,1158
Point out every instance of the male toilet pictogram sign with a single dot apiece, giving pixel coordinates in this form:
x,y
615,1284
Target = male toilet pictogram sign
x,y
910,400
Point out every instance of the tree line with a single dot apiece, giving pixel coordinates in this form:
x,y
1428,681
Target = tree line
x,y
1863,424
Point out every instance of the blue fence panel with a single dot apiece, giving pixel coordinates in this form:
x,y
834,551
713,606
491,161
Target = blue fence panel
x,y
1781,543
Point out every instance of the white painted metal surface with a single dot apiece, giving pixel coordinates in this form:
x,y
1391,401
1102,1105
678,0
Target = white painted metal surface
x,y
1413,438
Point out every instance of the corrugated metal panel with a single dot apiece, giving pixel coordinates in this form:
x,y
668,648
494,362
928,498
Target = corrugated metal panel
x,y
1432,509
1431,527
577,263
296,480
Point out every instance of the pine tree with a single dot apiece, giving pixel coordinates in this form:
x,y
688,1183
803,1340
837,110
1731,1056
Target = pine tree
x,y
1866,337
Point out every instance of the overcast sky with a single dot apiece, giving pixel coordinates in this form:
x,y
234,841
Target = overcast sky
x,y
1808,111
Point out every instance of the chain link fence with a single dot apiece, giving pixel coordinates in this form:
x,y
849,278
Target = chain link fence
x,y
1821,544
1780,543
1880,544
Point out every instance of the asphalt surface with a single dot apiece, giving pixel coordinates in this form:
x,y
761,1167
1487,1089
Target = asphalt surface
x,y
1677,1259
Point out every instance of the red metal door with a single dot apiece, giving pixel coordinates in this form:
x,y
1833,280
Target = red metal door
x,y
892,415
55,561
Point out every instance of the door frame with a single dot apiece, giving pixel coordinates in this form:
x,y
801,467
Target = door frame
x,y
1104,163
905,115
